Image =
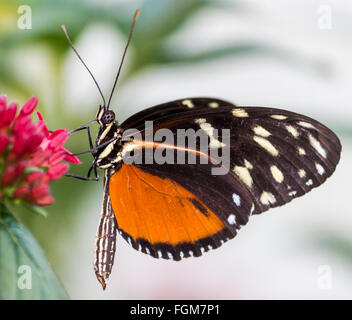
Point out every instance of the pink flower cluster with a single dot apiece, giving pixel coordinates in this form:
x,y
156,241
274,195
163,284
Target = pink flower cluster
x,y
30,156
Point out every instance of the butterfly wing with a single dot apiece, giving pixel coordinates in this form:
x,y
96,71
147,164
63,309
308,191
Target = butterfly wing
x,y
275,156
174,110
160,217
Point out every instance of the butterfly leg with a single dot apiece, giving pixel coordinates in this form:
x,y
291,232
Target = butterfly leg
x,y
93,150
88,177
82,127
85,178
85,126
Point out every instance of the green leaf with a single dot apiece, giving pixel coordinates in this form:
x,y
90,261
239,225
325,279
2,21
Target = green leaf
x,y
245,49
25,272
240,49
160,18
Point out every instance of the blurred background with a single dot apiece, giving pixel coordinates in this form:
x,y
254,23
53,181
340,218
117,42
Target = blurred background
x,y
278,53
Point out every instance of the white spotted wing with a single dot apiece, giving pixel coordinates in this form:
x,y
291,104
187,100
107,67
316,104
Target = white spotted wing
x,y
275,156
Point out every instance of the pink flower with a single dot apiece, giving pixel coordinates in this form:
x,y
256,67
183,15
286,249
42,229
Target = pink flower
x,y
30,156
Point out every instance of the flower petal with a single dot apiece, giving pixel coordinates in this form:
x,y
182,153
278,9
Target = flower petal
x,y
47,132
39,191
59,139
57,171
21,192
28,107
34,177
8,176
44,201
69,157
56,158
8,115
4,142
3,103
39,158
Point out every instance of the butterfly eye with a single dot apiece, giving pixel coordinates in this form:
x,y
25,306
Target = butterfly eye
x,y
108,117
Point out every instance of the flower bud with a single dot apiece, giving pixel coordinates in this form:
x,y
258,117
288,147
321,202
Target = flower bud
x,y
28,107
56,171
30,155
8,176
40,191
21,192
33,177
4,142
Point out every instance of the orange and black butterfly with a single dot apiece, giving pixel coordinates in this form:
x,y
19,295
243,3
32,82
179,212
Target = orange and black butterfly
x,y
179,210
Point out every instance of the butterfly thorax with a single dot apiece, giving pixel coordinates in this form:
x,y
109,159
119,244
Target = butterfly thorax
x,y
107,154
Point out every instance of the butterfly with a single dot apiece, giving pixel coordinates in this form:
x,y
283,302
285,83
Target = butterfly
x,y
181,209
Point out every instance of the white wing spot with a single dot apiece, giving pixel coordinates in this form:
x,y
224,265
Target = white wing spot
x,y
210,247
209,130
169,254
319,168
236,199
293,131
252,209
301,151
200,121
267,198
309,182
160,255
278,117
292,193
213,105
277,174
240,113
266,144
301,173
182,255
190,253
231,219
260,131
244,175
306,125
147,250
188,103
317,146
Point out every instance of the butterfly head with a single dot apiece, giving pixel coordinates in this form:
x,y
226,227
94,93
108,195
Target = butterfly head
x,y
105,117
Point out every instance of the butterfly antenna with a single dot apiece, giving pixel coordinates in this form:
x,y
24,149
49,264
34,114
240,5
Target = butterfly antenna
x,y
79,57
136,15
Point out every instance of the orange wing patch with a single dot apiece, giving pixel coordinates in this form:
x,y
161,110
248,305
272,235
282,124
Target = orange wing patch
x,y
160,217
